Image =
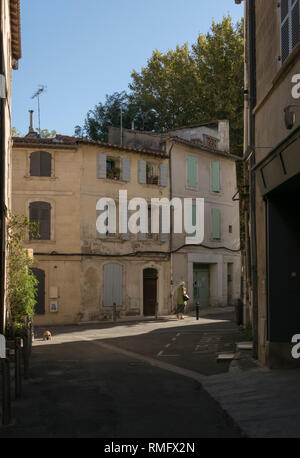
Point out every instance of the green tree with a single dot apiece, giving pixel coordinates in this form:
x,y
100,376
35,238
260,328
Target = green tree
x,y
45,133
15,132
21,283
181,87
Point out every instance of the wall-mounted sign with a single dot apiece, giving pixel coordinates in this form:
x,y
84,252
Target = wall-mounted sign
x,y
53,306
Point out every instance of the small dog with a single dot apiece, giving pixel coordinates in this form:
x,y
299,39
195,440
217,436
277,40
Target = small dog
x,y
47,335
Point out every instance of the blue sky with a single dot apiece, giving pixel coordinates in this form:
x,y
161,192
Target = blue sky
x,y
84,49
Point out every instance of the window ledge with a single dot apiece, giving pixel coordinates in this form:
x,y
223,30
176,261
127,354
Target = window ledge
x,y
29,177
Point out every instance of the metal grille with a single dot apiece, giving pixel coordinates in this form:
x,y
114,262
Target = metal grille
x,y
284,9
295,25
285,42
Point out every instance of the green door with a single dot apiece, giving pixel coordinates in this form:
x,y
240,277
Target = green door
x,y
201,285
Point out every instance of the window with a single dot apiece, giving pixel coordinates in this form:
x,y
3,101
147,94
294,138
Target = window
x,y
192,166
290,27
40,164
152,173
113,169
211,142
40,212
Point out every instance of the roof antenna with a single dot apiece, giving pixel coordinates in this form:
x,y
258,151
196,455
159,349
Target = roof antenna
x,y
37,95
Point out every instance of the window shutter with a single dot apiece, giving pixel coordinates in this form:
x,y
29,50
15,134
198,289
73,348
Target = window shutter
x,y
112,285
216,223
163,175
35,164
192,165
45,164
101,165
142,172
215,176
126,169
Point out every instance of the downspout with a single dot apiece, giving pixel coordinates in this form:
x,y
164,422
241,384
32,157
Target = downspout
x,y
252,86
171,225
2,185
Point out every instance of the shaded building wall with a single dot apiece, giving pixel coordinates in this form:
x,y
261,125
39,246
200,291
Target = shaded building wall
x,y
273,95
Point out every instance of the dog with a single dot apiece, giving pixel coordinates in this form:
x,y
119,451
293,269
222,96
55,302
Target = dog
x,y
47,335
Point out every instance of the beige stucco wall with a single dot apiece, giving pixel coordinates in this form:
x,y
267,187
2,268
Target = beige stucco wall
x,y
61,190
218,259
92,189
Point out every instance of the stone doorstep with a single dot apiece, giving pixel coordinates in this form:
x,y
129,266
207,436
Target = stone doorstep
x,y
226,356
244,346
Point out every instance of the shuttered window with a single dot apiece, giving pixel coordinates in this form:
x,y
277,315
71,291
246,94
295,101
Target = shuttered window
x,y
290,27
40,164
192,165
112,285
215,177
216,223
40,212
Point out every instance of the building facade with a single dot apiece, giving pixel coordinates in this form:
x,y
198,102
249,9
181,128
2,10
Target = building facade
x,y
85,275
10,53
201,166
272,141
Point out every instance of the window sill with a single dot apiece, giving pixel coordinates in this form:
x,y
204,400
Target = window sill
x,y
34,178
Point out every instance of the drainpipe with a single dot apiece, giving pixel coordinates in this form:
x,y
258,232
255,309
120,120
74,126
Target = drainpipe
x,y
2,186
171,223
252,87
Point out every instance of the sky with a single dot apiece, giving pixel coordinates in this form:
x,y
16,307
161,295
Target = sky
x,y
82,50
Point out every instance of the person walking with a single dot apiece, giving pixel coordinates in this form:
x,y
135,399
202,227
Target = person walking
x,y
181,303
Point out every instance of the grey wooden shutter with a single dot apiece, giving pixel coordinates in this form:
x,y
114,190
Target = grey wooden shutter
x,y
45,164
142,172
163,175
126,169
40,212
112,285
35,164
101,165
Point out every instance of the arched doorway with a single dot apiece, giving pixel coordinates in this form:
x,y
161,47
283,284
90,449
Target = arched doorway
x,y
149,291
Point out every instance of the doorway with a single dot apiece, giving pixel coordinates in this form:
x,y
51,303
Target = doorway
x,y
201,284
229,283
149,291
39,308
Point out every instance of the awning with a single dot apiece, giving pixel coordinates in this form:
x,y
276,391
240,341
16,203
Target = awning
x,y
281,164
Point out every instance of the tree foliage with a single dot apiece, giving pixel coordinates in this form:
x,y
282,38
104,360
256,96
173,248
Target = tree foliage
x,y
21,283
181,87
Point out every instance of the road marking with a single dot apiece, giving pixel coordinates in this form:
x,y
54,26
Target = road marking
x,y
160,353
148,359
173,339
168,345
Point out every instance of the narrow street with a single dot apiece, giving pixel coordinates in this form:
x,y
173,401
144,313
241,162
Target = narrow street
x,y
135,380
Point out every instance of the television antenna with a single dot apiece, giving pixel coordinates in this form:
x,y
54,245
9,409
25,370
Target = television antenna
x,y
37,94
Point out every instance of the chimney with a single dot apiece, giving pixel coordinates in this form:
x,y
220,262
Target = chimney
x,y
31,132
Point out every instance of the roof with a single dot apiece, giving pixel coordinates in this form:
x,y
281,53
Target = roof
x,y
201,146
15,25
64,140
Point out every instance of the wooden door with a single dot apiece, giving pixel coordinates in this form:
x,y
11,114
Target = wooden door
x,y
149,291
201,286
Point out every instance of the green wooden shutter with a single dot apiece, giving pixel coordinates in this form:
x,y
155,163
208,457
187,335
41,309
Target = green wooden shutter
x,y
192,165
216,223
215,176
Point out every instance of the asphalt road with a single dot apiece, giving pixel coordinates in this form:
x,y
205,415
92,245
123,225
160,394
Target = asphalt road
x,y
125,381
